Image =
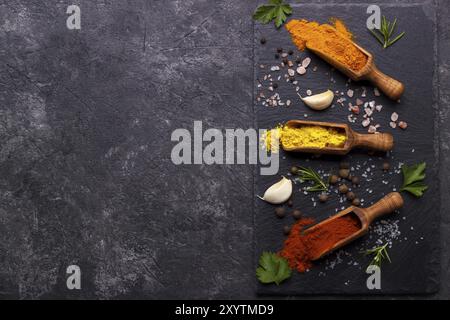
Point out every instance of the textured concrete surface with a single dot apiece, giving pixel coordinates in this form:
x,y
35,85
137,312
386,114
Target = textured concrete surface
x,y
85,170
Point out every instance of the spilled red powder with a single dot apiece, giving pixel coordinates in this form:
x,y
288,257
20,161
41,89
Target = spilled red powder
x,y
300,248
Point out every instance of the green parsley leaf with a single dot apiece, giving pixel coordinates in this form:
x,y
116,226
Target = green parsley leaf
x,y
274,10
265,14
413,177
272,268
416,188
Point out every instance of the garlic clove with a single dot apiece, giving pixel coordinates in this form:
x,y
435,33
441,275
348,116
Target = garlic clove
x,y
319,101
279,192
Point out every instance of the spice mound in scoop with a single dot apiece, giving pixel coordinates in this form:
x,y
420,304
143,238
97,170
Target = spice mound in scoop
x,y
333,41
307,136
303,247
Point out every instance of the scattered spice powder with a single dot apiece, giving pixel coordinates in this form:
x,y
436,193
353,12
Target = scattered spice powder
x,y
340,26
301,248
331,40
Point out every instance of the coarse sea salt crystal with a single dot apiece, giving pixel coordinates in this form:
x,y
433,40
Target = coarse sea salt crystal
x,y
394,116
301,70
366,122
368,111
306,62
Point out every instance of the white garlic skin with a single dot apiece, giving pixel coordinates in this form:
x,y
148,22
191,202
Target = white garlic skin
x,y
319,101
279,192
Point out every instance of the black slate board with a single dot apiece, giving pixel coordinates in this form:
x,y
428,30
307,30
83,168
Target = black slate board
x,y
415,251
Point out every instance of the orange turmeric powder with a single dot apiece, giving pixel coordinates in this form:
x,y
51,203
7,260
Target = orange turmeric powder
x,y
331,40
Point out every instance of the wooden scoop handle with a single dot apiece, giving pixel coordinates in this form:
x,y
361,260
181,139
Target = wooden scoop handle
x,y
390,87
388,204
375,141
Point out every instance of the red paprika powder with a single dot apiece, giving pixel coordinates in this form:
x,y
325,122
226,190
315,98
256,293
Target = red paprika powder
x,y
300,248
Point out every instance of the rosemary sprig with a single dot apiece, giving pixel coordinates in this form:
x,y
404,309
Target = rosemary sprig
x,y
308,174
384,34
380,253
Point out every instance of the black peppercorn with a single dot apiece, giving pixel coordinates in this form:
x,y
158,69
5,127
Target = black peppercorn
x,y
263,40
350,196
334,179
279,50
275,85
344,173
343,188
344,165
297,214
277,56
290,52
323,197
280,212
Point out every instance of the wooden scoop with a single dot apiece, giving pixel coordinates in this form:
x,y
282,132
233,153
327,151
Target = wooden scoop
x,y
388,204
390,87
377,141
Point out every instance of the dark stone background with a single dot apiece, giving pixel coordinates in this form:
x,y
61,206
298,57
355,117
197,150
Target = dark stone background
x,y
415,267
85,170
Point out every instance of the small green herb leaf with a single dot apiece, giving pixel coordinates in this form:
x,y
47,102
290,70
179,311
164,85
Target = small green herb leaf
x,y
379,254
413,177
416,188
308,174
272,268
274,10
264,14
384,34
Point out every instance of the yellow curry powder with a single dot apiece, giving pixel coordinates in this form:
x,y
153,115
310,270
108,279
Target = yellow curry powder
x,y
331,40
305,137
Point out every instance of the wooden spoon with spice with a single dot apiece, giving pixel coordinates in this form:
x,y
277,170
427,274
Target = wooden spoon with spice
x,y
378,141
348,225
334,44
391,87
